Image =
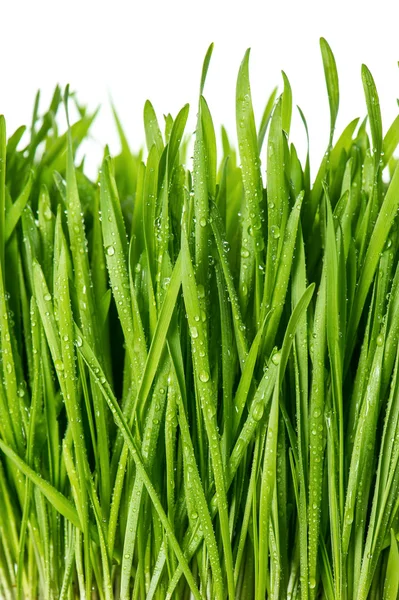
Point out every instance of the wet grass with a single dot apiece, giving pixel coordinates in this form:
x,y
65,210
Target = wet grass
x,y
199,392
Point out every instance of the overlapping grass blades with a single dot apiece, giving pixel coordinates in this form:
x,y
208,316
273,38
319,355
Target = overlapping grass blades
x,y
199,390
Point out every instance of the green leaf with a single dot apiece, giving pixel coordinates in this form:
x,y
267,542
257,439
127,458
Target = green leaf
x,y
267,113
286,111
373,110
204,387
391,141
205,67
152,131
60,503
378,239
391,585
251,279
98,374
331,76
14,212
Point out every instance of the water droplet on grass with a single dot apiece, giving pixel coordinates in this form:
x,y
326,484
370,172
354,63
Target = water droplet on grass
x,y
257,411
275,232
276,358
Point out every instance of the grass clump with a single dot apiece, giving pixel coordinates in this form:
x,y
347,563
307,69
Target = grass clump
x,y
199,393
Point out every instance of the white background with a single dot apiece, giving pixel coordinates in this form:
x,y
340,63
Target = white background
x,y
151,49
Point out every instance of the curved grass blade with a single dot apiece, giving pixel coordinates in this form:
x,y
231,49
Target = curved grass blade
x,y
334,510
116,253
205,67
85,301
98,374
176,136
282,276
317,423
268,480
246,379
153,133
61,346
58,500
200,499
391,141
374,111
160,335
228,362
286,110
258,408
152,428
201,202
30,443
9,384
204,388
377,242
277,202
336,290
267,113
331,75
13,214
253,245
239,326
391,585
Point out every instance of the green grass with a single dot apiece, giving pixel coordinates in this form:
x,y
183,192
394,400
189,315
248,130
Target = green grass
x,y
199,391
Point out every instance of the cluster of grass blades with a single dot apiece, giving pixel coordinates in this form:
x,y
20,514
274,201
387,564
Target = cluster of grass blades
x,y
199,391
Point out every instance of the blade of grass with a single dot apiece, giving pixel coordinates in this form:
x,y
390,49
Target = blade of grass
x,y
93,365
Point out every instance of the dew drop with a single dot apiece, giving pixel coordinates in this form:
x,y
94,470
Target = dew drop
x,y
257,411
110,250
204,376
276,358
275,232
